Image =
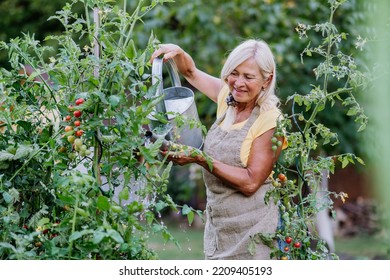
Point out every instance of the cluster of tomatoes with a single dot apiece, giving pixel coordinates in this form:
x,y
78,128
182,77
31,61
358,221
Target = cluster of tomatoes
x,y
280,181
45,232
276,142
290,246
74,132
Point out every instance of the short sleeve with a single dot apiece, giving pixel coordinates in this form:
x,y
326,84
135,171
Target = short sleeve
x,y
266,121
222,106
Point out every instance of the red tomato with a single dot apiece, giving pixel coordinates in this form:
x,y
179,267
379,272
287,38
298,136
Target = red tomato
x,y
79,133
297,244
282,177
80,101
77,123
288,239
67,118
77,113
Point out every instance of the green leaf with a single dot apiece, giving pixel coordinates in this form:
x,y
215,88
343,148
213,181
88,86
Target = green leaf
x,y
76,235
3,165
82,212
4,156
115,235
352,111
101,96
8,246
321,106
103,203
149,217
45,136
43,221
131,50
8,198
166,235
114,100
344,162
25,125
359,160
190,217
23,151
252,248
165,174
124,194
98,237
160,205
186,209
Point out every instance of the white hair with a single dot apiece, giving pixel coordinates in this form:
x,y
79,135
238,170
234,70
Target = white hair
x,y
262,54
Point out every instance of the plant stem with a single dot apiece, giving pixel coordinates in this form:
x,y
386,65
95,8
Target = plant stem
x,y
316,110
73,225
97,152
326,78
133,21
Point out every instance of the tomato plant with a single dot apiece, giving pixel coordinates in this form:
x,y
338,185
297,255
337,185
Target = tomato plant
x,y
71,193
301,168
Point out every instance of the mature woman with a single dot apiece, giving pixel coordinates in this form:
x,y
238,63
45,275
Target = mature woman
x,y
239,144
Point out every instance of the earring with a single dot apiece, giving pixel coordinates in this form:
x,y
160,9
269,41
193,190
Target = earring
x,y
230,100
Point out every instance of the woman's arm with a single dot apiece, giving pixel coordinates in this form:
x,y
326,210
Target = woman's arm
x,y
246,180
202,81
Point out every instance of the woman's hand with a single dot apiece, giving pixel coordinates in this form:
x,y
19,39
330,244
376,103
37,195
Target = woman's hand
x,y
168,51
182,155
203,82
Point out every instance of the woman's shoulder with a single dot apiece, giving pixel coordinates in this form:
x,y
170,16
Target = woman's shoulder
x,y
265,121
271,114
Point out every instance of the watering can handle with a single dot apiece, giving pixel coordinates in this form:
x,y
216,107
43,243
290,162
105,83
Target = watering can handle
x,y
158,78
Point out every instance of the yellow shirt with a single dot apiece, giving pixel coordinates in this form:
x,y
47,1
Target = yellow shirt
x,y
266,121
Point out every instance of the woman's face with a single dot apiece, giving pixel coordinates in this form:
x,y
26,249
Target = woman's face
x,y
246,82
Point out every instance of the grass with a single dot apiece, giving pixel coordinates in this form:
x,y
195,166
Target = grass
x,y
362,247
190,239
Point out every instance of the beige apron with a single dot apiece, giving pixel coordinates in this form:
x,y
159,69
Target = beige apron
x,y
231,217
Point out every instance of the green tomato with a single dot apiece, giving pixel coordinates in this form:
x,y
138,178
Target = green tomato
x,y
78,142
72,156
71,139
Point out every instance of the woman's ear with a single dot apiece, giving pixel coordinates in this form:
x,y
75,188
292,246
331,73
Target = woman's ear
x,y
268,81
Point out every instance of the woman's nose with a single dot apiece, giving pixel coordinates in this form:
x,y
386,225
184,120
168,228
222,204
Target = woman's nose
x,y
239,81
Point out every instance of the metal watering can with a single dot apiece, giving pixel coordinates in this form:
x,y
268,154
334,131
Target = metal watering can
x,y
178,100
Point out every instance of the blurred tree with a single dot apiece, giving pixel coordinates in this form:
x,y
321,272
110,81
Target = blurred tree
x,y
30,17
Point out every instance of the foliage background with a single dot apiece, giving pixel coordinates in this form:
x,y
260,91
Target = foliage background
x,y
208,30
